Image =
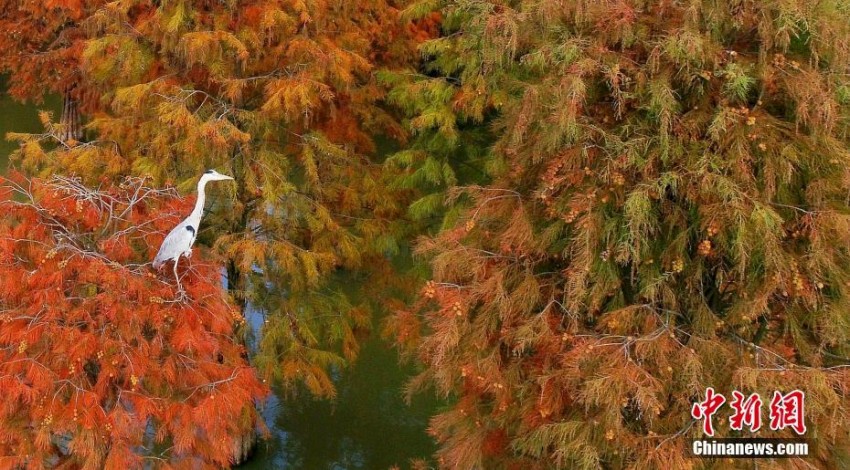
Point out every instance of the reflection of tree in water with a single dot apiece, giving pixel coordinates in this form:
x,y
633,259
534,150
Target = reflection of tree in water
x,y
368,425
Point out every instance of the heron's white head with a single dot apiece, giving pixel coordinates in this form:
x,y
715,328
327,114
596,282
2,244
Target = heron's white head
x,y
212,175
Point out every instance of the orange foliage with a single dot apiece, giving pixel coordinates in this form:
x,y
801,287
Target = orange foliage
x,y
42,43
100,365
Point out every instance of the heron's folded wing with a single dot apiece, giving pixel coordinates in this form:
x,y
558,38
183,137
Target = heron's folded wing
x,y
176,242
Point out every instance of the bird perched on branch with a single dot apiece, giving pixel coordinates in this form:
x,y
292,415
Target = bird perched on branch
x,y
179,241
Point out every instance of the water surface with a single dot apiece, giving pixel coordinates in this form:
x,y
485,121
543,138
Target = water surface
x,y
18,117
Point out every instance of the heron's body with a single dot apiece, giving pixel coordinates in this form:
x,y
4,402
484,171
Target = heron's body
x,y
179,241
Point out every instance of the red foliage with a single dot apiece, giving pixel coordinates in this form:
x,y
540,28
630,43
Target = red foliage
x,y
44,43
495,443
100,365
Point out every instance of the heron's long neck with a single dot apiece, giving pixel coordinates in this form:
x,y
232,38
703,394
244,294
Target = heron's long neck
x,y
198,211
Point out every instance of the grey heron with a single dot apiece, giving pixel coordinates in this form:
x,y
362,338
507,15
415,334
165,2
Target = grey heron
x,y
179,240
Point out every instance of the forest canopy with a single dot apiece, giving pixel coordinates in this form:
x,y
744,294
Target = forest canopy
x,y
612,207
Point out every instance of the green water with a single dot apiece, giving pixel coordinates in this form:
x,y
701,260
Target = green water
x,y
368,426
17,117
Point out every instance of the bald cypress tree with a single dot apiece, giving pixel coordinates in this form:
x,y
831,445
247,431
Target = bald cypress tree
x,y
665,209
279,94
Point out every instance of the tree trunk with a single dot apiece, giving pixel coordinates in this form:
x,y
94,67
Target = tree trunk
x,y
71,128
243,447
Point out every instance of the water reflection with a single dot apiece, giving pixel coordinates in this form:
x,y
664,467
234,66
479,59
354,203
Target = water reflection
x,y
368,426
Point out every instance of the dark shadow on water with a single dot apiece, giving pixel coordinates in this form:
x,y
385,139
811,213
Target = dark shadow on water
x,y
368,426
